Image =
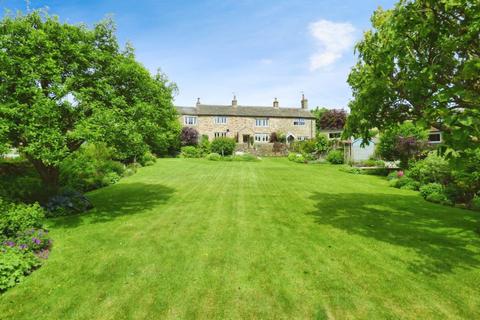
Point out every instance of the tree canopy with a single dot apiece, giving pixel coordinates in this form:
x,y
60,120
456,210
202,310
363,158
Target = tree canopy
x,y
62,85
421,62
333,119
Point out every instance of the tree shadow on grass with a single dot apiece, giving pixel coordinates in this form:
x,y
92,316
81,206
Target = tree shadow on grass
x,y
117,200
443,237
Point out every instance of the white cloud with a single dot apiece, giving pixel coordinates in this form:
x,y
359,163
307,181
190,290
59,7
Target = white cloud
x,y
333,39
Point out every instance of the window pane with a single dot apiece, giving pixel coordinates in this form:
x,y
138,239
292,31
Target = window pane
x,y
261,122
220,120
435,137
190,120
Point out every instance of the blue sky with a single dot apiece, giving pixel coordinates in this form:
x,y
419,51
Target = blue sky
x,y
257,49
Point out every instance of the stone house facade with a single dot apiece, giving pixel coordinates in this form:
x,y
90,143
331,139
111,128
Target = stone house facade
x,y
249,124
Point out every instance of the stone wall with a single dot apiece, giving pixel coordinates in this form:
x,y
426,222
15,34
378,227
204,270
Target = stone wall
x,y
263,149
236,127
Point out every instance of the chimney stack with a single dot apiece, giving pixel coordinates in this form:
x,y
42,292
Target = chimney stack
x,y
198,102
234,101
275,103
304,102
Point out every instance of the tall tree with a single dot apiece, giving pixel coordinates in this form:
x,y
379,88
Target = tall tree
x,y
420,62
333,119
62,85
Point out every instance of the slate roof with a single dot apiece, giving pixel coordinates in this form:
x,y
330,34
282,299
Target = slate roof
x,y
245,111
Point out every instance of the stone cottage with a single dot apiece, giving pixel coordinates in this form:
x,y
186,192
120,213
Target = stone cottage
x,y
247,124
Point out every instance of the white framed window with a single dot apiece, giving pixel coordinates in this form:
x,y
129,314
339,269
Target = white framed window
x,y
299,122
262,137
220,120
334,135
302,138
220,135
435,137
261,122
190,120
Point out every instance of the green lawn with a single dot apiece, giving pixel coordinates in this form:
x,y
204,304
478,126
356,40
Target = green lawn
x,y
199,239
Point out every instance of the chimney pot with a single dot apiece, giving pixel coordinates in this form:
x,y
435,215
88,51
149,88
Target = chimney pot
x,y
275,103
198,101
234,101
304,102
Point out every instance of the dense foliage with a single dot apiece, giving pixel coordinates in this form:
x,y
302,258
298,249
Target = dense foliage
x,y
62,85
223,146
20,182
421,62
15,264
89,168
403,142
335,157
296,157
190,152
322,143
333,119
22,241
214,157
204,145
458,186
15,218
318,113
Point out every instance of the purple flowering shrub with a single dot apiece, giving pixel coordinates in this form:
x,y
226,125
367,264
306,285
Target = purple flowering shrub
x,y
23,242
34,240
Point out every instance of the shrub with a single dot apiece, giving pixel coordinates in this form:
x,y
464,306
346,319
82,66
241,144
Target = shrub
x,y
393,182
204,146
372,163
352,170
214,157
440,198
273,137
148,159
15,218
410,185
403,143
66,203
189,136
430,188
322,143
190,152
432,169
335,157
296,157
90,168
308,147
476,203
223,146
15,264
404,183
395,175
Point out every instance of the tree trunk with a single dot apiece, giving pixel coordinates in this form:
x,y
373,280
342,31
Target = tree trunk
x,y
49,174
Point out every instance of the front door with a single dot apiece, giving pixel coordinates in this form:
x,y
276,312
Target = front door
x,y
246,138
